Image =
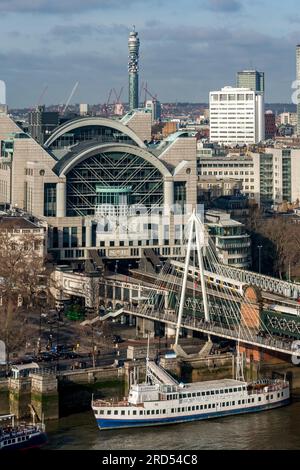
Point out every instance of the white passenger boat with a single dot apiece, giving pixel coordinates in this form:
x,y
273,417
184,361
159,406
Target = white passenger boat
x,y
161,400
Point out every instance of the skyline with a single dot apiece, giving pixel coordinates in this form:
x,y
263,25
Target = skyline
x,y
43,43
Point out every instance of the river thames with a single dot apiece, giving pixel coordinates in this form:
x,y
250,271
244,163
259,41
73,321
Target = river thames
x,y
275,429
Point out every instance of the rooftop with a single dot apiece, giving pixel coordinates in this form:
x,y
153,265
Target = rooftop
x,y
15,223
215,385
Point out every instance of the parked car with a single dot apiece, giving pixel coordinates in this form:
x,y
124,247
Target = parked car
x,y
46,357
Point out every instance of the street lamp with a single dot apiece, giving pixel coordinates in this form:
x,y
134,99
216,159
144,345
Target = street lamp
x,y
59,310
42,297
260,247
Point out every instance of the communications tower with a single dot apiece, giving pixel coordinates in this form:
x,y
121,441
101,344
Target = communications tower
x,y
133,69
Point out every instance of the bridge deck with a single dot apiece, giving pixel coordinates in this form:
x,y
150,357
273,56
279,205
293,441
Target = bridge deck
x,y
211,328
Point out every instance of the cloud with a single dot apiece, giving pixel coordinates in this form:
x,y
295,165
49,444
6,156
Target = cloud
x,y
224,5
179,62
61,6
73,33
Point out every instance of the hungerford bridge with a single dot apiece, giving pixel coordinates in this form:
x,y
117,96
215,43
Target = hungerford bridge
x,y
202,295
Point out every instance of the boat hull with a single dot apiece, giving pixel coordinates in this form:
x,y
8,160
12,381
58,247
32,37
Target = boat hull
x,y
107,424
35,442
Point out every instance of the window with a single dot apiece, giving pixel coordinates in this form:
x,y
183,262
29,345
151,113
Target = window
x,y
50,200
74,240
66,237
116,412
122,412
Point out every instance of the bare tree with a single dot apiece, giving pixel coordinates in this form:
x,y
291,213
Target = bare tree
x,y
21,269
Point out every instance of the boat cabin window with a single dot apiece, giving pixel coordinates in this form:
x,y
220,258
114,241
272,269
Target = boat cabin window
x,y
101,412
235,389
193,394
116,412
208,393
230,390
157,412
123,412
164,412
148,412
203,394
217,392
109,412
221,391
141,412
212,392
134,412
152,412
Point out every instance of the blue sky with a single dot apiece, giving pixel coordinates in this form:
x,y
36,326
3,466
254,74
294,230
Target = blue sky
x,y
188,47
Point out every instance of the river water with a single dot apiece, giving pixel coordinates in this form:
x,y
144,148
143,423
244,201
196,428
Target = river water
x,y
275,429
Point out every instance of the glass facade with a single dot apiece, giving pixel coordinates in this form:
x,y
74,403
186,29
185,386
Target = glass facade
x,y
266,179
286,176
93,133
180,193
122,174
50,200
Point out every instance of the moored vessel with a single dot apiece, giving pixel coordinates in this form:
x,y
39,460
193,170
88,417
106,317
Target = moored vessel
x,y
20,436
161,400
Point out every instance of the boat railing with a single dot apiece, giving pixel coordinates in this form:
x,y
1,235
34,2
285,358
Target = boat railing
x,y
122,403
7,433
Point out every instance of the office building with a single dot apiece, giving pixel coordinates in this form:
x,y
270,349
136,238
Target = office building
x,y
232,242
83,109
298,88
251,79
270,125
288,118
41,123
268,178
236,116
2,92
133,69
155,107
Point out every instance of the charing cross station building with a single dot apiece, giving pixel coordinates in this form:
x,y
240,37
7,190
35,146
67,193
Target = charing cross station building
x,y
93,170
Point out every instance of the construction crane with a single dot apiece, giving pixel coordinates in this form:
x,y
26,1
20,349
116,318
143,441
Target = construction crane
x,y
118,96
70,97
118,105
147,92
105,106
42,96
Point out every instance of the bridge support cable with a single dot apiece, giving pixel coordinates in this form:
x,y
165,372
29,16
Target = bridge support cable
x,y
199,295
